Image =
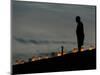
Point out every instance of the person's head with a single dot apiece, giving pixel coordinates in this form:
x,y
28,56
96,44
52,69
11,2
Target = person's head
x,y
77,18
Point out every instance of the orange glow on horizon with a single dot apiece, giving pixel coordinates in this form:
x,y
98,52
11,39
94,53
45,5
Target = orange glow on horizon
x,y
75,50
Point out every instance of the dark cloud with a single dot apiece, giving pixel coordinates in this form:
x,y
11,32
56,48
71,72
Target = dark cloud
x,y
39,42
22,40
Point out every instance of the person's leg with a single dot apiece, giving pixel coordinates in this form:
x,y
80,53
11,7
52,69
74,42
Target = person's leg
x,y
79,48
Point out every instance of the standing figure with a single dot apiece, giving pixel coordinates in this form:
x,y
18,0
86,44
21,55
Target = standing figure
x,y
62,50
79,33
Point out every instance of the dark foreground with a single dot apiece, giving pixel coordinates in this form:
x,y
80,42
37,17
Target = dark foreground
x,y
74,61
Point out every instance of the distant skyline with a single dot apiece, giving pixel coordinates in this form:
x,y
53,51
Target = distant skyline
x,y
45,27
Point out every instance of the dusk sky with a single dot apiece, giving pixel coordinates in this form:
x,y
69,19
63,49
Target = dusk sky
x,y
45,27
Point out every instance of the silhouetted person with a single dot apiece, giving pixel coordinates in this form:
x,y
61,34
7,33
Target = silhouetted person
x,y
30,60
62,48
79,33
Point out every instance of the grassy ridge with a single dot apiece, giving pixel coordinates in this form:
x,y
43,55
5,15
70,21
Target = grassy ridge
x,y
73,61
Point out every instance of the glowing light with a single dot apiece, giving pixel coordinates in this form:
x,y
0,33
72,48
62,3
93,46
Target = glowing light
x,y
82,49
75,50
59,54
33,59
20,61
90,48
46,57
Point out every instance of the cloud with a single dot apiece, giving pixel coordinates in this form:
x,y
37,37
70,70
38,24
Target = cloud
x,y
22,40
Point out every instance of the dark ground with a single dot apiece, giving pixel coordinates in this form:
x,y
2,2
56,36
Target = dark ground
x,y
70,62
